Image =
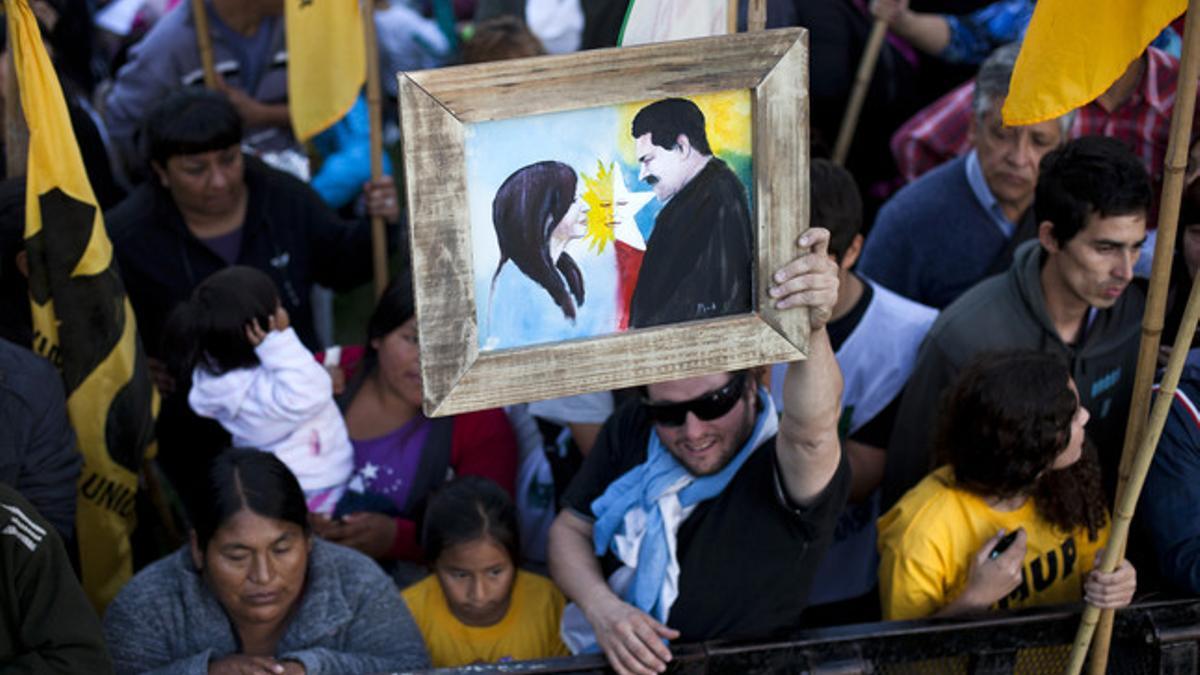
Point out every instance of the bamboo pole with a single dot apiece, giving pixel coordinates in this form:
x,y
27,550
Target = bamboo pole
x,y
1152,320
731,12
858,94
379,254
204,43
756,16
16,133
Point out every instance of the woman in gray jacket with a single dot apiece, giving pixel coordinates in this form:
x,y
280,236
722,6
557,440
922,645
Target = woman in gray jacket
x,y
255,592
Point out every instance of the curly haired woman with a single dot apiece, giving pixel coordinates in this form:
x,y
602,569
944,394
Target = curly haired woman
x,y
1016,463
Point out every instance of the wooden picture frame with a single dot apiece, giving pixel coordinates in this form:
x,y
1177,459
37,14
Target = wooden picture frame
x,y
436,107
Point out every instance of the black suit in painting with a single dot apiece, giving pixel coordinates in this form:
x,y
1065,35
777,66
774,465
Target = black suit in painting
x,y
699,259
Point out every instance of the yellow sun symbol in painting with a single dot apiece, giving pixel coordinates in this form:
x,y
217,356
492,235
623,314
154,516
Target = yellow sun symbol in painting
x,y
598,195
611,208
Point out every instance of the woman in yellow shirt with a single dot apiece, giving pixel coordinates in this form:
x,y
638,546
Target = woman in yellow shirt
x,y
1016,464
477,607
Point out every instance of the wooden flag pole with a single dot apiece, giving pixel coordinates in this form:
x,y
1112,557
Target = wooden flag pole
x,y
1152,320
16,133
204,42
756,16
858,94
379,254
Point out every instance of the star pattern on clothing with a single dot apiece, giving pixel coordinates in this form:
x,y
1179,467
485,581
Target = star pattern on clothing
x,y
370,471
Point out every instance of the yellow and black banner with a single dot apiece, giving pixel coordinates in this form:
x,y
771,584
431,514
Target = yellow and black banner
x,y
82,319
327,62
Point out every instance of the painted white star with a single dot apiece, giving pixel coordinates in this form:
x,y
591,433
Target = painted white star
x,y
370,471
626,204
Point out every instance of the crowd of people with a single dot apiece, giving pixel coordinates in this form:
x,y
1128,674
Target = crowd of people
x,y
973,290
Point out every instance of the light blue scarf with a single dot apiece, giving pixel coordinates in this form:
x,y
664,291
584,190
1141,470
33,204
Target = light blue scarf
x,y
641,488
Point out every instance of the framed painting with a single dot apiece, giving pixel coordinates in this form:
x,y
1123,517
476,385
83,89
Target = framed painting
x,y
605,219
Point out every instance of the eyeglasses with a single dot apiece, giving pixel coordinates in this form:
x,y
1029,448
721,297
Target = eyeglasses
x,y
707,407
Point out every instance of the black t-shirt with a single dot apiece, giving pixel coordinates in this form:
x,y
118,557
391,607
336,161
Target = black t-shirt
x,y
841,329
747,556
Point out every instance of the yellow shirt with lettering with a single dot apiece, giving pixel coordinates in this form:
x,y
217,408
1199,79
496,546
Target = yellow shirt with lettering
x,y
927,541
528,631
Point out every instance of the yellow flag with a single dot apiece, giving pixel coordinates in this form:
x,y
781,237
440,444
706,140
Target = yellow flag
x,y
327,62
82,320
1075,49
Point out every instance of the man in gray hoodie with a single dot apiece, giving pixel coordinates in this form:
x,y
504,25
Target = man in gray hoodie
x,y
1069,293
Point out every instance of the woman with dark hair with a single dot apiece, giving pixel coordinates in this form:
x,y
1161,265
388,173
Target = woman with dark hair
x,y
209,206
254,591
400,455
477,606
1016,517
536,213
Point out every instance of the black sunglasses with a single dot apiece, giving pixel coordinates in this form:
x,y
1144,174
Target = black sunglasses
x,y
707,407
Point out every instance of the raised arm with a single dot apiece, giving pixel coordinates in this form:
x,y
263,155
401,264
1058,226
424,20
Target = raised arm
x,y
808,447
928,32
298,386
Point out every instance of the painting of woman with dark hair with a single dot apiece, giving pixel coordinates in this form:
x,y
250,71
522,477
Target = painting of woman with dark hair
x,y
536,212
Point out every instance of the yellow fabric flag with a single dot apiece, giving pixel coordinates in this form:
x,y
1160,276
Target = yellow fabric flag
x,y
82,320
1075,49
327,62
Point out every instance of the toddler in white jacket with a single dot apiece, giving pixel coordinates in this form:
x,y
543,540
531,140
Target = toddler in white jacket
x,y
251,373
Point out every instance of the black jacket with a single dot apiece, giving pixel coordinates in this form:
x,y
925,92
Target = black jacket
x,y
46,623
288,233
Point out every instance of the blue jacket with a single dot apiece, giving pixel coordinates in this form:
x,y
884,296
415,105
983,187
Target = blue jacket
x,y
1169,511
346,148
38,453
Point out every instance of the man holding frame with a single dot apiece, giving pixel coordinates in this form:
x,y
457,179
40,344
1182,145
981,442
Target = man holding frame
x,y
709,512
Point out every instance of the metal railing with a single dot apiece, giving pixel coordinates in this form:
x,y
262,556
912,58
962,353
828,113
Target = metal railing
x,y
1149,638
